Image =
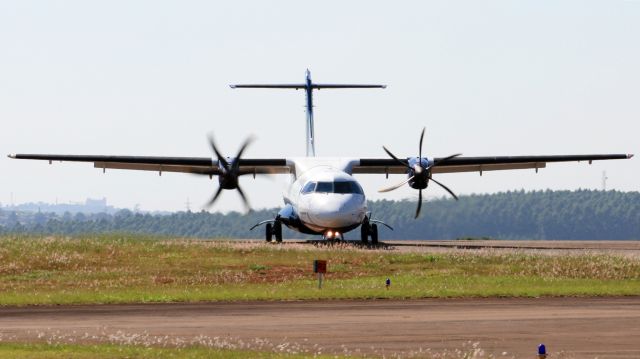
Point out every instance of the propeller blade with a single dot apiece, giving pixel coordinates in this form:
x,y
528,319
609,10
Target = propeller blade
x,y
221,158
446,188
246,143
419,203
214,198
396,186
244,199
395,158
449,157
420,148
442,160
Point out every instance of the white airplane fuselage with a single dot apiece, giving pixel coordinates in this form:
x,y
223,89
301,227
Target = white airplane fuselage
x,y
323,197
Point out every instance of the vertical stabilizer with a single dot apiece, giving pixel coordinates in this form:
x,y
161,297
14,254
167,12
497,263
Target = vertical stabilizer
x,y
311,146
308,86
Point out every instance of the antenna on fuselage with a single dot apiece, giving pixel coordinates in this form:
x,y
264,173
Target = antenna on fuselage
x,y
308,87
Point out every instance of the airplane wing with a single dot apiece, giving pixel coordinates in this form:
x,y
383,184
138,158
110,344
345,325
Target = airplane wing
x,y
196,165
206,166
479,164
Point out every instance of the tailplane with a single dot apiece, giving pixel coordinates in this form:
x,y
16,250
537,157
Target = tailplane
x,y
308,86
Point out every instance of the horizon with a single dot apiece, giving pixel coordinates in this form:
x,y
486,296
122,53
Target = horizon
x,y
141,209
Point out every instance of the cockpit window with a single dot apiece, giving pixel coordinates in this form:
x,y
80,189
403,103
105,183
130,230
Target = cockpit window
x,y
333,187
355,188
309,187
324,187
346,187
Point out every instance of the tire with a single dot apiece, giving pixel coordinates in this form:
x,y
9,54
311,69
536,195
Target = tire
x,y
374,234
364,233
277,230
269,232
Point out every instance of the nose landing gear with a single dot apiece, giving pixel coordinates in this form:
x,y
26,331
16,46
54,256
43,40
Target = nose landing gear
x,y
333,236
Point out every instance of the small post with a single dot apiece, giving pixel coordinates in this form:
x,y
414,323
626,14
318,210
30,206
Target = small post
x,y
542,351
320,267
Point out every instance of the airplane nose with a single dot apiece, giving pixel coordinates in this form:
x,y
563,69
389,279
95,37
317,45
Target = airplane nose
x,y
337,212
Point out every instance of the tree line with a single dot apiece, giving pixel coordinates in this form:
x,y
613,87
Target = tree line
x,y
578,215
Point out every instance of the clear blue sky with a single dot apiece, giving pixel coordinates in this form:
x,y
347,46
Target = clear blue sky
x,y
150,78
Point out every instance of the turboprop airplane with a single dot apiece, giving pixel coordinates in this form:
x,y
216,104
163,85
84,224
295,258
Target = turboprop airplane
x,y
323,196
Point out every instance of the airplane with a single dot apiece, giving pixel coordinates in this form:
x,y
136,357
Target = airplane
x,y
323,196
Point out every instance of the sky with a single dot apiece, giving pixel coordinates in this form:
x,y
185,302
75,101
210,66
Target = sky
x,y
534,77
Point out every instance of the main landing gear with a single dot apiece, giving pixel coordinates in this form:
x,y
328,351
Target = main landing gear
x,y
273,229
369,230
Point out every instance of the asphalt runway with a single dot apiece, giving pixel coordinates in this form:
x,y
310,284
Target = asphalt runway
x,y
522,244
625,248
570,327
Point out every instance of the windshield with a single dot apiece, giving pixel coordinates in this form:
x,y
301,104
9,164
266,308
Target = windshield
x,y
333,187
309,187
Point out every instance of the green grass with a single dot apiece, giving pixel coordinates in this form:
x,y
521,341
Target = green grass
x,y
128,269
98,351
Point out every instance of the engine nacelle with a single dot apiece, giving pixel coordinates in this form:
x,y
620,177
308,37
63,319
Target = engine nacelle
x,y
228,178
419,172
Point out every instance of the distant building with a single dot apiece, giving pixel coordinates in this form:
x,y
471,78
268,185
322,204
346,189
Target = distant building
x,y
95,205
89,206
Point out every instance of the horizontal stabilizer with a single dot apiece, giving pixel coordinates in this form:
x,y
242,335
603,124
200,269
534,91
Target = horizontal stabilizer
x,y
338,86
313,86
308,86
260,86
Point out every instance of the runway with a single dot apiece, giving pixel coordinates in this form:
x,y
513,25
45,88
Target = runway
x,y
578,327
551,247
633,246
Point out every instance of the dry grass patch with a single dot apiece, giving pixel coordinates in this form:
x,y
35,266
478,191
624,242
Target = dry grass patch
x,y
126,268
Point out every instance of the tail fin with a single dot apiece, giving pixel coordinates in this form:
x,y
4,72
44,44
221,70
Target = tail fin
x,y
308,86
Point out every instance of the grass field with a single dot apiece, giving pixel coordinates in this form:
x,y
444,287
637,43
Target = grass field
x,y
97,351
128,269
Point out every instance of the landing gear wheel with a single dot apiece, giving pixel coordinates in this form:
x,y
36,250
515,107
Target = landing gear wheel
x,y
364,233
374,234
277,230
269,232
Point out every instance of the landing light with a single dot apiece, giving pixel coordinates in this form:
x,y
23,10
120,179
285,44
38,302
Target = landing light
x,y
329,234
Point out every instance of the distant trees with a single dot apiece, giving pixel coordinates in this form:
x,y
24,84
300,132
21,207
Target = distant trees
x,y
582,214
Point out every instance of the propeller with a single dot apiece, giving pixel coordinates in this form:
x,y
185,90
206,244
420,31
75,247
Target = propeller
x,y
229,172
419,173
